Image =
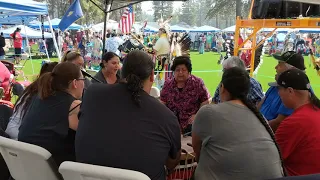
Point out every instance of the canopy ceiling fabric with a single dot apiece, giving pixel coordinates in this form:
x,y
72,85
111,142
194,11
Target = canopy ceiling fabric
x,y
31,33
20,11
55,24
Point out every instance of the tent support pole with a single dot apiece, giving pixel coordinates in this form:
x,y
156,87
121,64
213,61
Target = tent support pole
x,y
25,31
43,40
54,39
106,18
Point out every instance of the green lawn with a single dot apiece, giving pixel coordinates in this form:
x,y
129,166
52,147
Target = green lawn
x,y
205,66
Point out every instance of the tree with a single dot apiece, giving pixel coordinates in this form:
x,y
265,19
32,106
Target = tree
x,y
224,7
138,12
162,8
188,13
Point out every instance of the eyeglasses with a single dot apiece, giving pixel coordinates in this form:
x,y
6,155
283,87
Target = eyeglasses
x,y
81,79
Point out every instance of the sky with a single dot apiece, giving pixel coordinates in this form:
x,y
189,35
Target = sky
x,y
147,6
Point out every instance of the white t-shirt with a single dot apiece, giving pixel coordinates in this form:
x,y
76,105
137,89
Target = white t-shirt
x,y
162,46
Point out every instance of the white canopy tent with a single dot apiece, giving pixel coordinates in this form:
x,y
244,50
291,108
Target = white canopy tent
x,y
205,28
111,24
230,29
25,32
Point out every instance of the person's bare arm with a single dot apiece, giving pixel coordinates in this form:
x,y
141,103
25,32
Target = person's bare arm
x,y
73,115
196,144
260,103
172,163
274,123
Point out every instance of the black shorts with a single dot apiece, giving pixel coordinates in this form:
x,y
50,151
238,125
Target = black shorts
x,y
17,52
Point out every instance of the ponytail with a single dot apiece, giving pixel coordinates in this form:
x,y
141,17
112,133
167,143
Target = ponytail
x,y
255,111
45,85
314,100
134,85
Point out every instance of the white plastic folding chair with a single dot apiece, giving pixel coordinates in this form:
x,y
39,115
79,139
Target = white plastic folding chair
x,y
76,171
28,162
155,92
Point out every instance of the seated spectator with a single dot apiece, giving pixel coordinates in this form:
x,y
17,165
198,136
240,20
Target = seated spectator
x,y
110,67
24,102
52,117
145,138
76,58
185,93
271,106
255,94
231,139
299,134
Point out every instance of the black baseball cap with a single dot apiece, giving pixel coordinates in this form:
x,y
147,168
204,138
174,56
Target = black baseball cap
x,y
294,78
292,58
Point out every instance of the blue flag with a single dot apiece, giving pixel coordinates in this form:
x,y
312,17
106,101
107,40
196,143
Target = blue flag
x,y
73,13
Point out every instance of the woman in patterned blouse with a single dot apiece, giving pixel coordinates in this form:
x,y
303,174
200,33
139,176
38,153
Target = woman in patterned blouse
x,y
185,93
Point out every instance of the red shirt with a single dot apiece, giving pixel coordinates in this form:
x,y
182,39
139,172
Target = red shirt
x,y
298,137
17,42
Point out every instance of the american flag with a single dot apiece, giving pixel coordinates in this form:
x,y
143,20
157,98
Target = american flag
x,y
127,20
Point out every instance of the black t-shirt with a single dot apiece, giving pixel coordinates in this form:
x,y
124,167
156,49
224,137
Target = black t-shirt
x,y
115,132
46,124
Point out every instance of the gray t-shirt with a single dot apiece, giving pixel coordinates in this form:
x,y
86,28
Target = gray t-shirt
x,y
235,145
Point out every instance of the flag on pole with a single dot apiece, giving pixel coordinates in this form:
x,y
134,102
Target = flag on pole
x,y
72,14
127,20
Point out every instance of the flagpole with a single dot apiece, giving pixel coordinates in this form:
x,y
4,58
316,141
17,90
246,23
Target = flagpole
x,y
106,18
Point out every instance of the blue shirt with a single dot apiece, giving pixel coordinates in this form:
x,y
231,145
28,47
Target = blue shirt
x,y
273,106
255,94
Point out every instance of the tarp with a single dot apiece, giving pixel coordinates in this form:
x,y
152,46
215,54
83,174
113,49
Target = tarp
x,y
20,11
205,28
31,33
55,24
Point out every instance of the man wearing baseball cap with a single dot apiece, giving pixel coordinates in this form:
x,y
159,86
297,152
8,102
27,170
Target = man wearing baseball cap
x,y
298,135
271,106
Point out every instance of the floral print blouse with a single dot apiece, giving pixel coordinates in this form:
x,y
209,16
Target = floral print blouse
x,y
184,102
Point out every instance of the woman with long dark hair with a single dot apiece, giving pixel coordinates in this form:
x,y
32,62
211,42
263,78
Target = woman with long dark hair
x,y
24,102
52,118
232,140
110,67
17,44
145,138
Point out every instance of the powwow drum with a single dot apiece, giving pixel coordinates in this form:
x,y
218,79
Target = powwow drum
x,y
187,164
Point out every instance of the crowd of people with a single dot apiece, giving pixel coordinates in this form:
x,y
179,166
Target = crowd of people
x,y
112,120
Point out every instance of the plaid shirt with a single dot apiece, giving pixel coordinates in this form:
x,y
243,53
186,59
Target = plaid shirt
x,y
255,93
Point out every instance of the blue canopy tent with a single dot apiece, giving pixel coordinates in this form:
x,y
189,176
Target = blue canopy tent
x,y
20,11
230,29
177,28
55,24
15,12
308,30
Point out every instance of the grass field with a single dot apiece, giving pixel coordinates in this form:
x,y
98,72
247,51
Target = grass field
x,y
205,66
